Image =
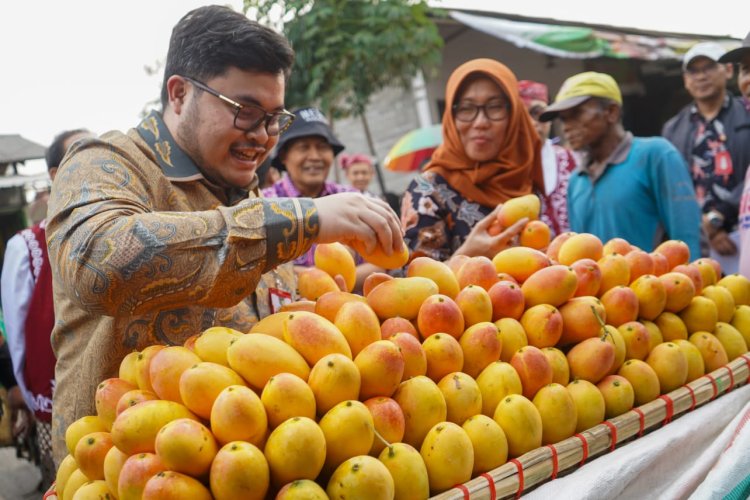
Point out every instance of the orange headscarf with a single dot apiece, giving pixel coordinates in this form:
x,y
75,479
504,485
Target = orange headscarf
x,y
518,165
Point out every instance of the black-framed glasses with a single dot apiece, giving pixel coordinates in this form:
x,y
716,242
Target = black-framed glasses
x,y
467,112
706,69
247,117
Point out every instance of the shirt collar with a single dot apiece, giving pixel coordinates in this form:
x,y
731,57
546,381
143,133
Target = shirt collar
x,y
617,156
174,162
285,187
724,105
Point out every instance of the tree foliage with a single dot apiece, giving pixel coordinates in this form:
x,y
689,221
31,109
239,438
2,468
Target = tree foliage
x,y
347,50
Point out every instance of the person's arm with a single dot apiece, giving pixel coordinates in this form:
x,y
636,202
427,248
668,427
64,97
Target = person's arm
x,y
116,255
16,289
675,200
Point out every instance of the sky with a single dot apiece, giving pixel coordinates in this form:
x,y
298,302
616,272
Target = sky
x,y
80,63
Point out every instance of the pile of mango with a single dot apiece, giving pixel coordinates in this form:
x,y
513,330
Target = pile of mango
x,y
420,383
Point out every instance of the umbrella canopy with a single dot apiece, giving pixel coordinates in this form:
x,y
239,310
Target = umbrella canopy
x,y
413,149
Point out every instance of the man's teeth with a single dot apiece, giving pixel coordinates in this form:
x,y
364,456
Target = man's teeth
x,y
246,156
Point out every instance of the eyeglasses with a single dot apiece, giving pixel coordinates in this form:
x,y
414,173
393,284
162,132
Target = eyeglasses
x,y
247,117
705,69
494,111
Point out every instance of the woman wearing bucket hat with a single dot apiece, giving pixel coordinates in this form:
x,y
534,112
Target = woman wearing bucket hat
x,y
490,154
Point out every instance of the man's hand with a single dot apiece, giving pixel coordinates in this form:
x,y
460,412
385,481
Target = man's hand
x,y
722,243
481,242
347,217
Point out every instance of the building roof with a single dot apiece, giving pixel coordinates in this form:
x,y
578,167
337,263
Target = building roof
x,y
14,149
582,40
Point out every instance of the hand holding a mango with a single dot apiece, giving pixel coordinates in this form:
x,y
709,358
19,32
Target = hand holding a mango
x,y
495,232
368,225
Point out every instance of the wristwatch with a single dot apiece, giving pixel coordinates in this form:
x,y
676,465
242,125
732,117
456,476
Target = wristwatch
x,y
715,218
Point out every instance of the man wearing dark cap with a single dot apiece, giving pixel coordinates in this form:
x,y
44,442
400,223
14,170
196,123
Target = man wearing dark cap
x,y
713,135
635,188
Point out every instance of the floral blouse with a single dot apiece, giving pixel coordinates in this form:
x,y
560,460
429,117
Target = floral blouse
x,y
436,218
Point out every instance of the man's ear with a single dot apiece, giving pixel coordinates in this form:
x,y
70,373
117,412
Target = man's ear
x,y
614,112
177,90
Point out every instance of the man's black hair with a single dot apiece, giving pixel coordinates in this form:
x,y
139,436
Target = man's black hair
x,y
209,40
56,151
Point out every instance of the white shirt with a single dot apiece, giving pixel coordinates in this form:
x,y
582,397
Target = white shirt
x,y
16,289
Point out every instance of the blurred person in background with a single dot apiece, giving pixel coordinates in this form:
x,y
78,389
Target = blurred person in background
x,y
359,171
557,162
636,188
29,314
740,57
713,135
490,154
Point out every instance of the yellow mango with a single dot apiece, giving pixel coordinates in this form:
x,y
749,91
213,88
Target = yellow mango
x,y
670,365
273,324
741,321
212,344
238,414
696,366
481,345
333,379
732,340
552,285
296,449
239,470
170,484
361,477
590,407
618,395
314,336
348,429
497,380
167,367
359,324
335,258
739,286
302,489
437,271
713,352
408,471
401,297
424,406
700,315
381,367
521,423
724,301
259,357
512,336
286,396
644,380
488,442
463,398
135,429
520,262
81,427
201,384
186,446
448,455
557,411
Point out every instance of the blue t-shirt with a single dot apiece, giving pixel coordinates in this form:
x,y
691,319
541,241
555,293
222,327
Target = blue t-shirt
x,y
650,192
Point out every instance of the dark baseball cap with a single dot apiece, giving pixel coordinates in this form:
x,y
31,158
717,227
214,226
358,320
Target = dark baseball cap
x,y
308,122
736,55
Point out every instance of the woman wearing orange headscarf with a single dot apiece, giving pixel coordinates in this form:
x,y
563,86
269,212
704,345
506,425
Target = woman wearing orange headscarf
x,y
490,154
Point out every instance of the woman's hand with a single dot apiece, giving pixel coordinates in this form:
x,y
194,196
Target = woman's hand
x,y
481,242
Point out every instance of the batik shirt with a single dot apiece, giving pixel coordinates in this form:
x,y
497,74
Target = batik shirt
x,y
711,166
145,250
436,218
285,188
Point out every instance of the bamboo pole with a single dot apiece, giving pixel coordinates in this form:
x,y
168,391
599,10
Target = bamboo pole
x,y
537,465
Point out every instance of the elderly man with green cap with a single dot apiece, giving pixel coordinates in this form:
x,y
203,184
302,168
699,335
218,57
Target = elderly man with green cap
x,y
636,188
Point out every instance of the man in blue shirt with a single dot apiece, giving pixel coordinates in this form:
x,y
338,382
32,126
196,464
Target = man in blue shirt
x,y
636,188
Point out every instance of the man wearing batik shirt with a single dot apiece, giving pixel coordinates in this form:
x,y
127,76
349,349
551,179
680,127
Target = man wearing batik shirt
x,y
159,233
305,153
713,135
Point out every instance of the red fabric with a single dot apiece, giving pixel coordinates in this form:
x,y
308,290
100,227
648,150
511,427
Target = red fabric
x,y
39,369
555,205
